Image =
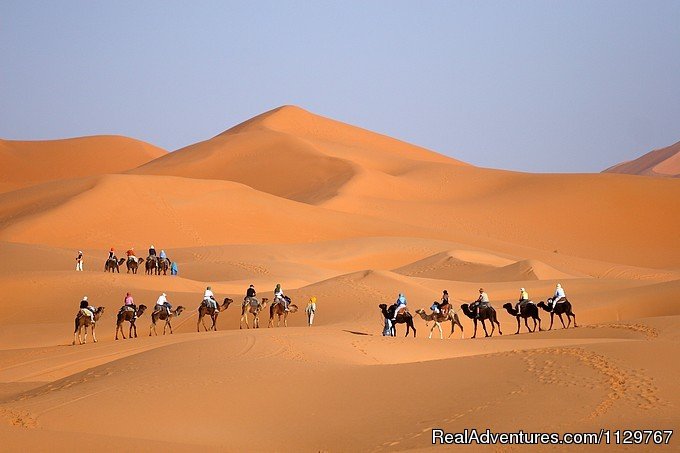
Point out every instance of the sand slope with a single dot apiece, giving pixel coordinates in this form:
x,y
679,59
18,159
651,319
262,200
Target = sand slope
x,y
24,163
659,162
292,153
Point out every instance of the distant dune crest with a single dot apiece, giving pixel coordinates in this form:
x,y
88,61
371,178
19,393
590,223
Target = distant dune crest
x,y
659,162
24,163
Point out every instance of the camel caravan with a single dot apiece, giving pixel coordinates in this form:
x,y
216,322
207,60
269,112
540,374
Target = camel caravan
x,y
441,312
88,316
153,264
480,310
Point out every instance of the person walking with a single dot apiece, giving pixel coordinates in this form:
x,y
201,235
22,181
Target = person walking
x,y
79,261
311,310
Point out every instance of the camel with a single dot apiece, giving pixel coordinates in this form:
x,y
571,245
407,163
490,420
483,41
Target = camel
x,y
402,318
83,321
163,266
151,266
133,265
129,316
528,311
203,310
438,319
246,308
113,264
276,309
560,309
162,314
487,312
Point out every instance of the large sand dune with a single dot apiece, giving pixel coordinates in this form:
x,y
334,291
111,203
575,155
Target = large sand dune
x,y
353,218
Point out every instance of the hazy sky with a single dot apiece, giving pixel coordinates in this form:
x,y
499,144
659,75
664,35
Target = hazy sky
x,y
571,86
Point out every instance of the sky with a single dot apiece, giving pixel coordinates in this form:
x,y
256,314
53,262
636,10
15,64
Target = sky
x,y
538,86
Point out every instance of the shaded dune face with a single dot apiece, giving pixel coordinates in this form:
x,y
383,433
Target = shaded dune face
x,y
25,163
659,162
294,154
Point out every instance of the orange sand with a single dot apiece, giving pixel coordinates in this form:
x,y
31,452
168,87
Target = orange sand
x,y
354,218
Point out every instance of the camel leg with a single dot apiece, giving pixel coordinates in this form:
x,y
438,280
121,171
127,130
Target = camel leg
x,y
572,314
562,321
132,326
84,335
474,335
517,324
486,334
499,327
462,332
552,318
94,337
214,321
526,323
539,323
203,322
431,329
441,333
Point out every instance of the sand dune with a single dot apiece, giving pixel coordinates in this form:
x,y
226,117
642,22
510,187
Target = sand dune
x,y
24,163
292,153
353,218
659,162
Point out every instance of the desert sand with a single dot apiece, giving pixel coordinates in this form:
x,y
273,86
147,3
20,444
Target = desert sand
x,y
354,218
659,162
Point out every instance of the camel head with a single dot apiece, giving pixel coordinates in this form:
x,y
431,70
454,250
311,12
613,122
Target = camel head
x,y
264,301
382,306
420,311
179,310
227,302
507,306
141,309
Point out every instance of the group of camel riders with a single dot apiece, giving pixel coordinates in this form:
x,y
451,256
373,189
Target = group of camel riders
x,y
482,301
162,303
131,256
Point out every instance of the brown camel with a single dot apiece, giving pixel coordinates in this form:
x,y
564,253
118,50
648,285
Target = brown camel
x,y
83,321
130,316
438,319
529,310
151,266
487,312
163,266
133,265
402,318
113,264
203,310
254,309
276,309
561,309
162,314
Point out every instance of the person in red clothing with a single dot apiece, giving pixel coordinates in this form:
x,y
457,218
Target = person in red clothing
x,y
131,254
